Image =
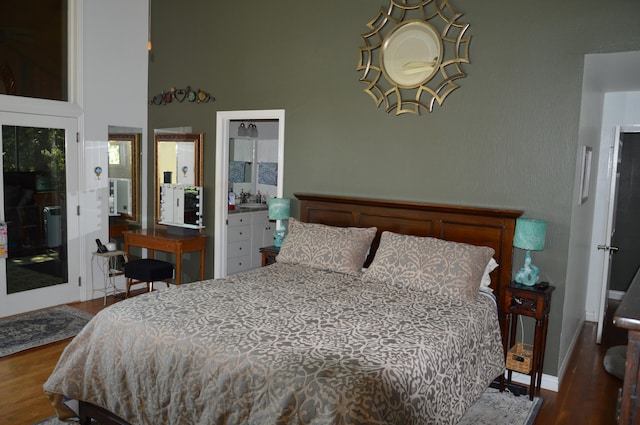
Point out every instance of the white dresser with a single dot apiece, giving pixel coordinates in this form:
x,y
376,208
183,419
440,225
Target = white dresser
x,y
247,232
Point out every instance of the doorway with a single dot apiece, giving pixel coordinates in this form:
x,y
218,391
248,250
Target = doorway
x,y
626,237
39,179
623,232
270,127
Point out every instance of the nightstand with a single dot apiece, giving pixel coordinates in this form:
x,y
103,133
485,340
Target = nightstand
x,y
269,254
532,302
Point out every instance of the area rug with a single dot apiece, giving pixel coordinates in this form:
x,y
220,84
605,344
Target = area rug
x,y
496,408
493,408
29,330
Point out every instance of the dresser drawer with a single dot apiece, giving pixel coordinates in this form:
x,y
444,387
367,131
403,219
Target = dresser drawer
x,y
526,302
239,249
238,233
161,245
239,219
238,264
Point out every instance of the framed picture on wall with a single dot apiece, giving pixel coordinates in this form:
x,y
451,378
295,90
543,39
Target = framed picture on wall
x,y
585,173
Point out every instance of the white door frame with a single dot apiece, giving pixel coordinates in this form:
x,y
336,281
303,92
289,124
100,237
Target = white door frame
x,y
65,292
223,133
614,152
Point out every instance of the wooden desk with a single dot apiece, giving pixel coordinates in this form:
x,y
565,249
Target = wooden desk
x,y
627,316
158,239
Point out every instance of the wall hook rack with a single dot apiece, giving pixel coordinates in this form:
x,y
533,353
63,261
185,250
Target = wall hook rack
x,y
180,95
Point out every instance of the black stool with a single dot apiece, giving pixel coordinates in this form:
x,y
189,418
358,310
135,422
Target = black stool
x,y
147,270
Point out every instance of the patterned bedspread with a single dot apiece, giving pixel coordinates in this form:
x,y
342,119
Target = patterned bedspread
x,y
284,344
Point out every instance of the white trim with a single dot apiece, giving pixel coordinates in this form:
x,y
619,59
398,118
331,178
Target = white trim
x,y
548,382
564,362
616,295
223,119
27,105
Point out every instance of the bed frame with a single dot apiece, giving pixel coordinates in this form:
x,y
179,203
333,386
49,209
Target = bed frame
x,y
477,226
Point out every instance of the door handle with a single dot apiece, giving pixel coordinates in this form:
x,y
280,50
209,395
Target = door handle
x,y
608,248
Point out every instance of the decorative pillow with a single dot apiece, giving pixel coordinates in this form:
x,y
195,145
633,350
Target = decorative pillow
x,y
338,249
432,265
486,279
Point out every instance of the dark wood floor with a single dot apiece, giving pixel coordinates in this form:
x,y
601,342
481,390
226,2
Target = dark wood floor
x,y
587,395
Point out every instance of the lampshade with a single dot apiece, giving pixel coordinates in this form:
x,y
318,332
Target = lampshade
x,y
530,234
242,130
279,208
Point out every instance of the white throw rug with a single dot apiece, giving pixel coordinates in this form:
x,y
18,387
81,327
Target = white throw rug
x,y
493,408
496,408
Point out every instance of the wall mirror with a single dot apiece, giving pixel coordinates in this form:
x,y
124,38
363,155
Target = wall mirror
x,y
178,160
253,164
124,173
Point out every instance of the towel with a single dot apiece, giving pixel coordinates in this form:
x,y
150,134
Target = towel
x,y
236,171
268,173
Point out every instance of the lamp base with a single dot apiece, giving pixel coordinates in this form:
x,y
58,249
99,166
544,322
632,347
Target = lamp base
x,y
279,234
528,275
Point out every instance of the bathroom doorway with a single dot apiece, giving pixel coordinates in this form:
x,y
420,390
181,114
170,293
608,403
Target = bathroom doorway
x,y
269,128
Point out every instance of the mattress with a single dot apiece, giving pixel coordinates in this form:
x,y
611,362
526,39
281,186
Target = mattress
x,y
284,344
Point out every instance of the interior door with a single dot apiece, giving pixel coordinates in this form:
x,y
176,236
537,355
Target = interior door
x,y
40,193
606,246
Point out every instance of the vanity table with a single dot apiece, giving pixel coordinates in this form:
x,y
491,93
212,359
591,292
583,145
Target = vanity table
x,y
159,239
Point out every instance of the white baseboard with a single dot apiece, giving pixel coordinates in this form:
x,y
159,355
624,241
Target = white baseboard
x,y
591,316
616,295
548,382
564,362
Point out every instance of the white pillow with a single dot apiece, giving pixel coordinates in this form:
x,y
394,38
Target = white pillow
x,y
486,279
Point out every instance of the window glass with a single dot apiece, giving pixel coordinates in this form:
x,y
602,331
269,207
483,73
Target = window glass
x,y
33,162
33,49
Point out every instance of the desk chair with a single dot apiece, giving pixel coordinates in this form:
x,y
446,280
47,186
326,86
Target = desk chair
x,y
147,270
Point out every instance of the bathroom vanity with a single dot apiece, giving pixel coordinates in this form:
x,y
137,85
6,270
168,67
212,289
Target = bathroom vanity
x,y
249,229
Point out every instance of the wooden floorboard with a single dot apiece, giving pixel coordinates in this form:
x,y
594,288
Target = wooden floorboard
x,y
587,394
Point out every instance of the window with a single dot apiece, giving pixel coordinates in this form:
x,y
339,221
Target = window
x,y
33,49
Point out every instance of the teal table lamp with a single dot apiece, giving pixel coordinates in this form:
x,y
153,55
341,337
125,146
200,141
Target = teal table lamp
x,y
530,234
279,210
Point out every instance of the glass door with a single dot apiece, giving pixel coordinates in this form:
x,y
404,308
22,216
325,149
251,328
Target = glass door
x,y
39,224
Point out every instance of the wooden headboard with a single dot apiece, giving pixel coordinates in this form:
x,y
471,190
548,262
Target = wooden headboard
x,y
476,226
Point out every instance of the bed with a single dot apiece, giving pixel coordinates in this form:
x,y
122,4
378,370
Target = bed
x,y
312,339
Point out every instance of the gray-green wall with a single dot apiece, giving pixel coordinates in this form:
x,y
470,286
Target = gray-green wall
x,y
506,138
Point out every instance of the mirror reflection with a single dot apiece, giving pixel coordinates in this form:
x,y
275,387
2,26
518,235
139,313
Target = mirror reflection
x,y
123,175
253,163
124,180
178,160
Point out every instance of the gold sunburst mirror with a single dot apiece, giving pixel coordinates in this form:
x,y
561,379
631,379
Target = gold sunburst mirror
x,y
413,54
